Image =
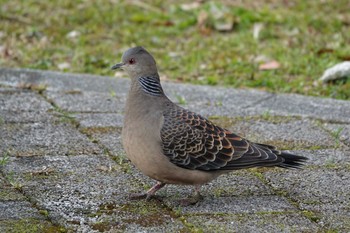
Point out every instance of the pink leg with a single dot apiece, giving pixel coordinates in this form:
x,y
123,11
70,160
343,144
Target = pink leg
x,y
149,194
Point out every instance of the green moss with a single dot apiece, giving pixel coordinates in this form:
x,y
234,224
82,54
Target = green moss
x,y
9,194
100,130
222,121
311,215
40,88
143,213
107,226
44,213
30,226
181,99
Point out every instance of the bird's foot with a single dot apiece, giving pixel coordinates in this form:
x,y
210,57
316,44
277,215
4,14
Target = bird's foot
x,y
192,200
137,196
149,194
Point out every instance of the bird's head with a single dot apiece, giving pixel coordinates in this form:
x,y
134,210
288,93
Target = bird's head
x,y
137,62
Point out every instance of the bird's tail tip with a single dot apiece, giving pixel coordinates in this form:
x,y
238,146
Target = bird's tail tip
x,y
292,161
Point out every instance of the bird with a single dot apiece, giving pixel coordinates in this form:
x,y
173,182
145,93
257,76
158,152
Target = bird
x,y
173,145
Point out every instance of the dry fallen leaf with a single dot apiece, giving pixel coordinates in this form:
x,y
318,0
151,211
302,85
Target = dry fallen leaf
x,y
202,19
189,6
271,65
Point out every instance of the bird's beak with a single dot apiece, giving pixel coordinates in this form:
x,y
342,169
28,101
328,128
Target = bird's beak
x,y
117,66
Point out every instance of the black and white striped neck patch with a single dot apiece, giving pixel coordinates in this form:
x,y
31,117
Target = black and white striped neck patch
x,y
151,85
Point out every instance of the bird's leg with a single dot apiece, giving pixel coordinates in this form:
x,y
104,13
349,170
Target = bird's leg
x,y
195,198
154,189
149,194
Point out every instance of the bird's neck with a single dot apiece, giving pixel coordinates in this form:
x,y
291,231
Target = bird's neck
x,y
148,85
145,96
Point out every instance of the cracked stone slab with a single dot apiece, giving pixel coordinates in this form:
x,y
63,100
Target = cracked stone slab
x,y
261,222
285,134
308,106
82,191
324,191
44,139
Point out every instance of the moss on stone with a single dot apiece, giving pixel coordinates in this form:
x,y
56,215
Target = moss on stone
x,y
29,226
100,130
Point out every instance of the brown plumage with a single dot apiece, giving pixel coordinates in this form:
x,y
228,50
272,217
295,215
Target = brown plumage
x,y
173,145
193,142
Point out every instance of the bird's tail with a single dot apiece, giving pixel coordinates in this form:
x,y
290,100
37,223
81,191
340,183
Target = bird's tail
x,y
291,160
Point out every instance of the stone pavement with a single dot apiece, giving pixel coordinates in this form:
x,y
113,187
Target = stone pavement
x,y
62,167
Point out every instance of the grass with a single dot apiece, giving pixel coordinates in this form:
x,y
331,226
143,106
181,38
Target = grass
x,y
5,158
304,37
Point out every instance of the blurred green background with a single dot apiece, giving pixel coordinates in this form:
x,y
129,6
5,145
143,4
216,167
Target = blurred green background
x,y
279,46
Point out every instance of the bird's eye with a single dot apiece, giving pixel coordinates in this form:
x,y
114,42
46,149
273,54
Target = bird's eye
x,y
132,61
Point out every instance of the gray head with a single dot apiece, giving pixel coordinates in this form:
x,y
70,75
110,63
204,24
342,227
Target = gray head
x,y
137,62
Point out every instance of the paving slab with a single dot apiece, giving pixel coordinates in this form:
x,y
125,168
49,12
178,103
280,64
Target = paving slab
x,y
24,117
100,120
87,102
324,191
44,139
336,157
340,131
220,102
235,184
111,140
307,106
285,133
8,192
238,205
21,106
63,82
15,99
262,222
17,214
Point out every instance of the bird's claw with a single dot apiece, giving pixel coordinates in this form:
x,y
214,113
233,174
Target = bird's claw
x,y
145,196
138,196
191,200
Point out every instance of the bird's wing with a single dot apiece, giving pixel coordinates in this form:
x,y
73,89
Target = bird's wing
x,y
193,142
